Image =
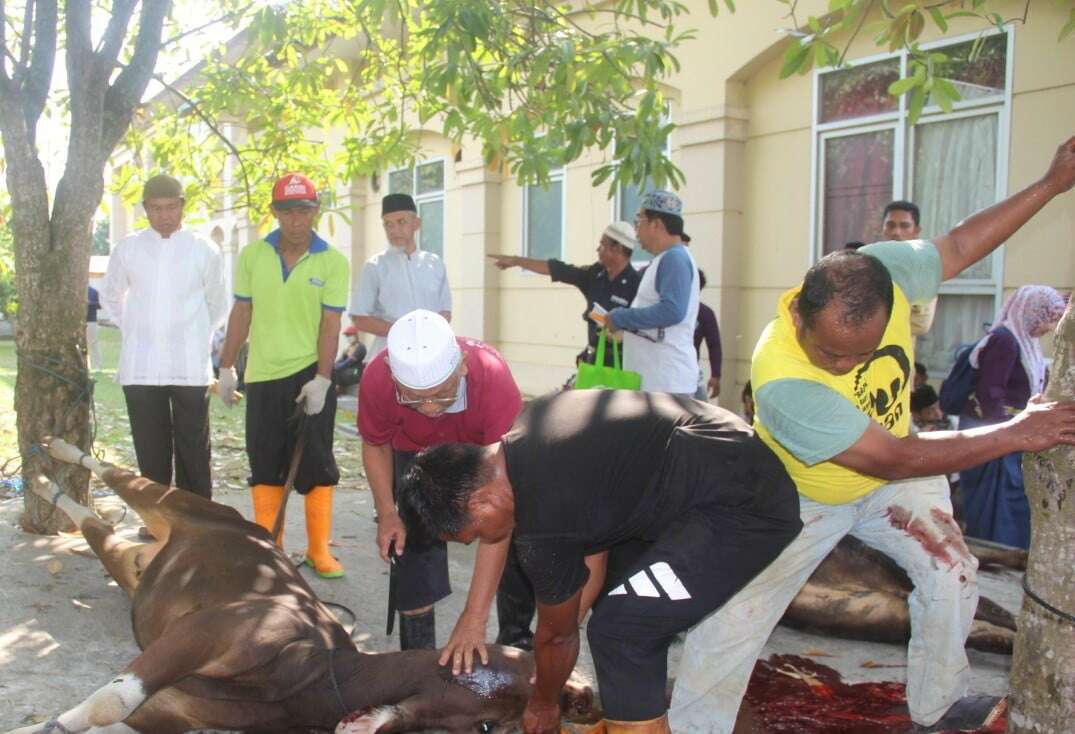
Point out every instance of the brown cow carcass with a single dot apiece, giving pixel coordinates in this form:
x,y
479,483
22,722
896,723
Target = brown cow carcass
x,y
233,638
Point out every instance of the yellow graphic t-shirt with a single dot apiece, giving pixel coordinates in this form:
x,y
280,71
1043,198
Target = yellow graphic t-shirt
x,y
808,415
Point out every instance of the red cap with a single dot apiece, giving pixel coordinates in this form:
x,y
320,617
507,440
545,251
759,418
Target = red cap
x,y
350,330
293,190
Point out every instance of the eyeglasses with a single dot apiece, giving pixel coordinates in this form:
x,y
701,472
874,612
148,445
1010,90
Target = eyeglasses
x,y
431,400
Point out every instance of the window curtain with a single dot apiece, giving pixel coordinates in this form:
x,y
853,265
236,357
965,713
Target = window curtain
x,y
858,184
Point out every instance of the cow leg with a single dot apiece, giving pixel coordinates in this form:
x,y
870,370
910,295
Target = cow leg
x,y
123,559
144,496
183,650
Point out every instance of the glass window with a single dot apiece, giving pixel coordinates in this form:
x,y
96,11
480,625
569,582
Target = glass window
x,y
401,181
955,175
629,201
858,184
859,91
977,68
544,234
429,177
947,163
431,235
960,319
425,182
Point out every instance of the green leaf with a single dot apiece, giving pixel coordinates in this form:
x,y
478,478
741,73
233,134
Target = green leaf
x,y
1068,27
900,86
915,105
794,58
939,19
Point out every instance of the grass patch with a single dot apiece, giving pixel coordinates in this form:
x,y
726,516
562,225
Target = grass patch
x,y
113,438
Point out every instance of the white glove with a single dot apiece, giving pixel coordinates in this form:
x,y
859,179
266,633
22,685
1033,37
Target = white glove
x,y
225,386
312,395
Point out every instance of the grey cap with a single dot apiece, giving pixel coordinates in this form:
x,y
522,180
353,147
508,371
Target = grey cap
x,y
162,186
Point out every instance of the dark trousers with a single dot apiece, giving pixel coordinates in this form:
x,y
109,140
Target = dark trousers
x,y
747,513
273,425
170,426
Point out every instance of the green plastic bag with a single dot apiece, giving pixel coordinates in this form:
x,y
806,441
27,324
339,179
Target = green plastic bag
x,y
597,375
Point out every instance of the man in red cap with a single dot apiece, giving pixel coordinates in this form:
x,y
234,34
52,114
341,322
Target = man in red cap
x,y
290,289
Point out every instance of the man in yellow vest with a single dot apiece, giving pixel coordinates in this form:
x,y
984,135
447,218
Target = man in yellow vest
x,y
832,378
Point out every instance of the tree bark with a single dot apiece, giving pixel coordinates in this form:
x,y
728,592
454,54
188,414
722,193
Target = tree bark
x,y
1043,666
53,390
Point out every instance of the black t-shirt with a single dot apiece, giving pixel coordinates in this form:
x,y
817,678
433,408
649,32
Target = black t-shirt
x,y
590,469
595,285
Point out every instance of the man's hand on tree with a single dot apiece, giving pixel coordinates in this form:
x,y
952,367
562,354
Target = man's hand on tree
x,y
1042,425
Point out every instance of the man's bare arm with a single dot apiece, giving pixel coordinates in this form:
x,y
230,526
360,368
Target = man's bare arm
x,y
371,325
880,454
328,338
238,330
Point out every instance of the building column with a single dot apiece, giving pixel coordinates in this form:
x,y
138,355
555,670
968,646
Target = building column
x,y
711,145
475,286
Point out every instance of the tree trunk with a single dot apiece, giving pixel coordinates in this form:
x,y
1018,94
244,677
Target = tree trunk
x,y
1043,666
53,392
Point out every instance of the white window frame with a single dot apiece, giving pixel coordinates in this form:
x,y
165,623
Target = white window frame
x,y
903,173
426,198
555,175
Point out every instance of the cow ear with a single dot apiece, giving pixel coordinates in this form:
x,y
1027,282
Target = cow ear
x,y
368,720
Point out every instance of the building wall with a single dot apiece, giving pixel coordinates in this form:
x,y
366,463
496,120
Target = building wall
x,y
744,139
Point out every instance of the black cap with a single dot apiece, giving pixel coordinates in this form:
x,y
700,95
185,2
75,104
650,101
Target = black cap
x,y
397,203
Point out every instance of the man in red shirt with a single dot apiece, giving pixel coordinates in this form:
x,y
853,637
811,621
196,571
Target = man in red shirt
x,y
427,388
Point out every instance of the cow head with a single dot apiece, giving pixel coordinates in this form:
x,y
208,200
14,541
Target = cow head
x,y
489,699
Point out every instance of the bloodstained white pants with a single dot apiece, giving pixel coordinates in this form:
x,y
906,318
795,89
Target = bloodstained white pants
x,y
912,522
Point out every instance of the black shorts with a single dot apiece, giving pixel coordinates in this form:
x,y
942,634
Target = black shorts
x,y
656,590
273,423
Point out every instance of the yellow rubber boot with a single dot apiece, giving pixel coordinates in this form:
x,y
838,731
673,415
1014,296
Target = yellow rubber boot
x,y
267,501
318,530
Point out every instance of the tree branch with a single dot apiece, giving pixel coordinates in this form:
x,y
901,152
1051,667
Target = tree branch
x,y
216,131
127,90
42,64
112,41
27,34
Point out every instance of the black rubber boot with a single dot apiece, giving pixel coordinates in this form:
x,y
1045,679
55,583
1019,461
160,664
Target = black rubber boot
x,y
418,631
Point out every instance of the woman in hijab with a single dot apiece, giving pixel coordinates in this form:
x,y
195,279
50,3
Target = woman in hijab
x,y
1011,368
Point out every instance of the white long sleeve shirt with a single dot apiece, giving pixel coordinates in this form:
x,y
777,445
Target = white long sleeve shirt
x,y
167,296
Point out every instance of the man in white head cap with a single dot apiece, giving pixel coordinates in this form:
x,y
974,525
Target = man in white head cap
x,y
611,282
430,387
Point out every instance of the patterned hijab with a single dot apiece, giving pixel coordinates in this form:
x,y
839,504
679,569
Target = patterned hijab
x,y
1026,311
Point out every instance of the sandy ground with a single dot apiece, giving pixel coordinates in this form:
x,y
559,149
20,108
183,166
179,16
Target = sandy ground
x,y
64,625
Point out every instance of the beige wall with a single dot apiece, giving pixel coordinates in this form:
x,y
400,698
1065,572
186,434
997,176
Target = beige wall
x,y
744,140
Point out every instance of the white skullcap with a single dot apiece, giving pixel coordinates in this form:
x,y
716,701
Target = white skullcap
x,y
422,350
622,232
